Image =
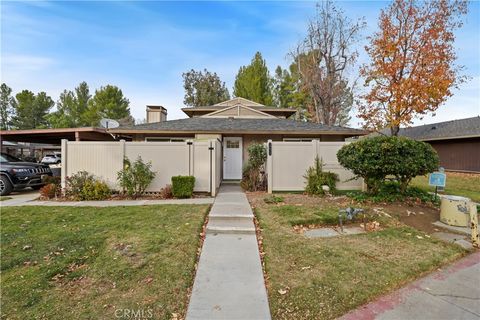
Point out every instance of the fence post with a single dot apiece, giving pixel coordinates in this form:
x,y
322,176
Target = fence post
x,y
213,168
191,157
269,166
316,149
63,170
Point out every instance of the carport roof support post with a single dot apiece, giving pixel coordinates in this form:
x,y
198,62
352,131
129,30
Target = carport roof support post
x,y
64,163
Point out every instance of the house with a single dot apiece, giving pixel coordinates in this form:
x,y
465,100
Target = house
x,y
457,142
237,123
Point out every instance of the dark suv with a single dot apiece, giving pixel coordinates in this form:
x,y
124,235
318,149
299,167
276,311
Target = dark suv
x,y
16,175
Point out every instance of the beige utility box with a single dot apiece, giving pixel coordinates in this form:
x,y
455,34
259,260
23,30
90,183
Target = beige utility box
x,y
454,211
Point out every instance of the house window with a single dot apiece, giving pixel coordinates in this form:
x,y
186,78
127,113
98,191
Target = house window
x,y
233,144
166,139
297,139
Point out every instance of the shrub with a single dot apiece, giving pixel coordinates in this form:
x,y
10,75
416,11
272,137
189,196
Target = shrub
x,y
375,158
316,178
135,178
50,191
166,192
84,186
95,190
273,199
252,177
390,192
74,184
182,186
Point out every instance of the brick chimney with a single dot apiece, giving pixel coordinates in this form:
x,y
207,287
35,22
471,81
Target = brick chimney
x,y
156,114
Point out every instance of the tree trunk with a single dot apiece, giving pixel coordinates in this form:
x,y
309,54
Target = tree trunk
x,y
394,130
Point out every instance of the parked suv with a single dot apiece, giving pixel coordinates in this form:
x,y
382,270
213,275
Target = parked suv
x,y
16,175
51,159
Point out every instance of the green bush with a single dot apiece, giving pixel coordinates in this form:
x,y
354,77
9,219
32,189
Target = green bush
x,y
316,178
84,186
135,178
252,177
182,186
95,190
273,199
390,192
374,159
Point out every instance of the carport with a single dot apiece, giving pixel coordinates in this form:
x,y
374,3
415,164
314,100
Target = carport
x,y
36,142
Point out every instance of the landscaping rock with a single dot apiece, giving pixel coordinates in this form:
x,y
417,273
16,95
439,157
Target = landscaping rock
x,y
352,230
321,233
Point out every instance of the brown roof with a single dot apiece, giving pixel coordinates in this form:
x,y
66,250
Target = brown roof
x,y
239,125
54,136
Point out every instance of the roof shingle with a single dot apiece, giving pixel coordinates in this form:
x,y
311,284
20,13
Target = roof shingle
x,y
469,127
225,125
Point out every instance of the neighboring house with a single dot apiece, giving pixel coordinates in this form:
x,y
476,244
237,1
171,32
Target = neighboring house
x,y
457,142
237,123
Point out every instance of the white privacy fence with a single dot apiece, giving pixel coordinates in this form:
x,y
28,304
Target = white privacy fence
x,y
287,163
201,159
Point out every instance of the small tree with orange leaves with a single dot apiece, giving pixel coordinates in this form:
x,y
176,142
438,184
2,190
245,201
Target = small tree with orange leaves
x,y
412,69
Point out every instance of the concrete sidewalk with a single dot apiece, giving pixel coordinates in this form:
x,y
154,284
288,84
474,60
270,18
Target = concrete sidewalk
x,y
229,283
452,293
28,201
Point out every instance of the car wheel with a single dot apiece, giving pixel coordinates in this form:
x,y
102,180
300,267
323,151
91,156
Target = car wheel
x,y
5,186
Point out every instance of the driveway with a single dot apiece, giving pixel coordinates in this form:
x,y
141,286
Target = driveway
x,y
20,197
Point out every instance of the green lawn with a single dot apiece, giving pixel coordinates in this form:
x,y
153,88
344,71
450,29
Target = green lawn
x,y
87,263
325,278
2,198
467,185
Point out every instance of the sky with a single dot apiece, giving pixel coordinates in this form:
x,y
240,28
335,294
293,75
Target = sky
x,y
144,47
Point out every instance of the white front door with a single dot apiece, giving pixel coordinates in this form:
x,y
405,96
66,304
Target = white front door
x,y
232,158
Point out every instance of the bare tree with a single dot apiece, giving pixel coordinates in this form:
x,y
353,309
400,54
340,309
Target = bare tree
x,y
324,59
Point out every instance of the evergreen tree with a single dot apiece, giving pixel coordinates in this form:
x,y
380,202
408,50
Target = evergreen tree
x,y
7,105
31,110
71,108
253,82
108,102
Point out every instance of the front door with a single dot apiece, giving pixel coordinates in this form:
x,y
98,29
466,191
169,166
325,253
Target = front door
x,y
232,158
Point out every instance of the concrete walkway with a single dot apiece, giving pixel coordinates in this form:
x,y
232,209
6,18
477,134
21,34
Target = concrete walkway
x,y
28,201
452,293
229,283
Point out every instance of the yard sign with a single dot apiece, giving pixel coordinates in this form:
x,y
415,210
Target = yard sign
x,y
437,179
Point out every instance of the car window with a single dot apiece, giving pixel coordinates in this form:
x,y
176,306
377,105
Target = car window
x,y
8,158
50,155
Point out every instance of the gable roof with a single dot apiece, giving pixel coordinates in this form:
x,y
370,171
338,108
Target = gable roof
x,y
454,129
238,126
238,112
239,101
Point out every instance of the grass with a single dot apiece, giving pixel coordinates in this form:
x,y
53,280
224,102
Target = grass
x,y
325,278
79,263
3,198
466,185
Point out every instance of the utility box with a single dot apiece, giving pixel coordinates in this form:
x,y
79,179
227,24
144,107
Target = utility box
x,y
455,211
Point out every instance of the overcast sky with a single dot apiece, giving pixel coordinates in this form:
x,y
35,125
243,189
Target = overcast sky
x,y
144,47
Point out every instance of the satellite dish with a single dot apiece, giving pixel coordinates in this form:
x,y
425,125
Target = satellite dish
x,y
109,123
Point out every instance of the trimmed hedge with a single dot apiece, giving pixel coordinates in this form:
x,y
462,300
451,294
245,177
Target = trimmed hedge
x,y
182,186
377,158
